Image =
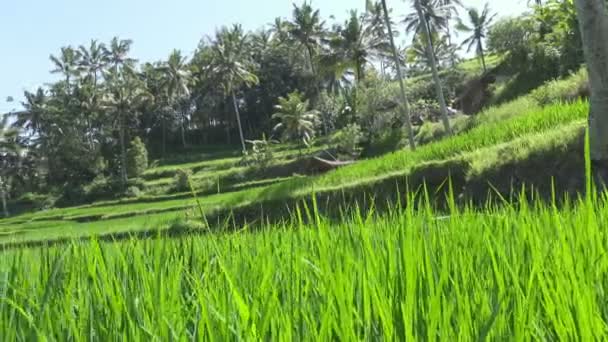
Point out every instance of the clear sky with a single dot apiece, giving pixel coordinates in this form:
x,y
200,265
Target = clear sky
x,y
31,30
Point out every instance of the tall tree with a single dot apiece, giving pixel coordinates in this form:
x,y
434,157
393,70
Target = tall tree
x,y
307,29
231,65
118,54
426,32
450,9
404,102
433,14
478,27
359,43
126,95
593,21
93,60
177,79
67,65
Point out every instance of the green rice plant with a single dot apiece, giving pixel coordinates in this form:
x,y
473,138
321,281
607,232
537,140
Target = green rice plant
x,y
523,272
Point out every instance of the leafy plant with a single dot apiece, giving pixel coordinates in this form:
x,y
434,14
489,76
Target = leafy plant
x,y
347,141
297,121
137,158
182,180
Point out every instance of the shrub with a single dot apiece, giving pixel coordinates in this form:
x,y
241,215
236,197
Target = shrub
x,y
101,187
566,90
261,153
347,141
137,158
182,179
133,191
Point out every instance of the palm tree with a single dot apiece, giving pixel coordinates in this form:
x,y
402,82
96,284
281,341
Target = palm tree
x,y
416,53
359,43
450,9
93,60
307,29
296,119
231,65
593,23
177,78
479,25
66,64
404,102
31,119
426,32
8,149
434,15
126,94
117,54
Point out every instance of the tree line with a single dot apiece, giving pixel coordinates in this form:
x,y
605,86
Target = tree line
x,y
293,79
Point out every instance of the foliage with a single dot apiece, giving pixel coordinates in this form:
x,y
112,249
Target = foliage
x,y
348,141
137,158
182,180
566,90
297,121
261,153
479,23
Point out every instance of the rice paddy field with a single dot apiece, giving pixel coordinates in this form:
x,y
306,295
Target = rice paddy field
x,y
520,267
525,272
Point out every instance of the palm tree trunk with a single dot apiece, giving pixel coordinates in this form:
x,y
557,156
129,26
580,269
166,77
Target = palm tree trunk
x,y
452,52
432,60
405,104
123,153
238,121
164,134
310,61
3,198
183,130
593,23
482,56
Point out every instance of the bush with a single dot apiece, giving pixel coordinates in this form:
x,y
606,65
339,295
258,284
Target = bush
x,y
101,187
261,154
133,191
182,180
567,90
137,158
347,141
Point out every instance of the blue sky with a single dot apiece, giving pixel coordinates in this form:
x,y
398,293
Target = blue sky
x,y
31,30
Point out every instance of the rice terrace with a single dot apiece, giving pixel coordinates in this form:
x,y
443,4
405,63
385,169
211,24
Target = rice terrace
x,y
405,170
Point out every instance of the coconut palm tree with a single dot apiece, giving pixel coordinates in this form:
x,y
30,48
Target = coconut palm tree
x,y
67,65
93,60
450,9
231,66
126,93
31,119
359,43
404,102
426,33
478,27
177,78
297,121
307,30
593,22
118,54
434,15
